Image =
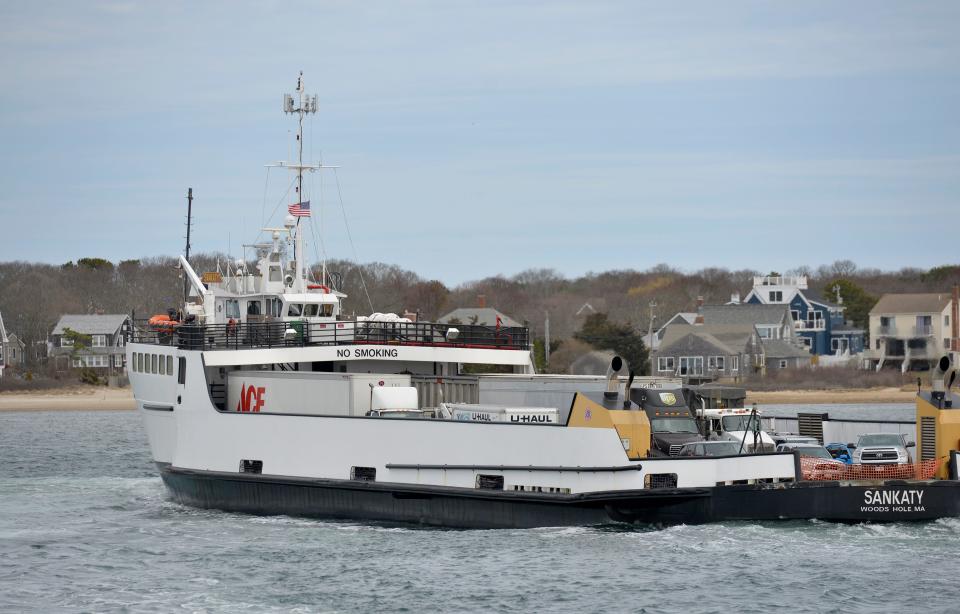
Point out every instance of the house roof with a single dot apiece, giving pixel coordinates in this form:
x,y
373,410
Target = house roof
x,y
745,313
731,338
778,348
3,331
593,305
681,317
91,324
816,297
485,316
911,303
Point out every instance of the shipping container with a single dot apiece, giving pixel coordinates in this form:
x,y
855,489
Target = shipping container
x,y
305,392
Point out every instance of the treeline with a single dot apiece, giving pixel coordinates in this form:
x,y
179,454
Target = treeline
x,y
33,296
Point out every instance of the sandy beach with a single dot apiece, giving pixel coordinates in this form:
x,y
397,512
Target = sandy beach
x,y
77,398
862,395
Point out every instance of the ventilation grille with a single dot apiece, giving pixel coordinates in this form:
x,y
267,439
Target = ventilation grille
x,y
660,480
251,466
811,425
928,438
364,474
490,482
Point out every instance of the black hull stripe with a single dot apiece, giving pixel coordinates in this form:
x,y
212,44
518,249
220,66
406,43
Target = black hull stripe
x,y
476,508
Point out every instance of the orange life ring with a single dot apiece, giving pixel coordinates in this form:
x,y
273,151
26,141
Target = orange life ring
x,y
325,289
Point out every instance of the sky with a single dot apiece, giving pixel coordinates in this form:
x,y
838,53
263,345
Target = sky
x,y
484,138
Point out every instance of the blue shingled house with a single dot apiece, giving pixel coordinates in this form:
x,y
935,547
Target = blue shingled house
x,y
819,324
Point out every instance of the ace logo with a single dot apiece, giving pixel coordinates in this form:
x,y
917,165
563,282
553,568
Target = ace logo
x,y
251,398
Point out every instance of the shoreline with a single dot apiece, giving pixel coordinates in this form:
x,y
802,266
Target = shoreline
x,y
818,397
74,398
89,398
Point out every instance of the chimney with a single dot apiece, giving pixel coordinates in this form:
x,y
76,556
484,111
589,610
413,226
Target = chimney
x,y
735,298
699,318
481,300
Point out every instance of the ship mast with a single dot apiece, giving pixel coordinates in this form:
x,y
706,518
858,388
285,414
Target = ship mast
x,y
303,105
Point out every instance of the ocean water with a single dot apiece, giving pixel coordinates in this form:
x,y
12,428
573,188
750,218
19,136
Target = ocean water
x,y
86,526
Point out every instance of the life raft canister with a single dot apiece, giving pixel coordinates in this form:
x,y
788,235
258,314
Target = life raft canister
x,y
162,322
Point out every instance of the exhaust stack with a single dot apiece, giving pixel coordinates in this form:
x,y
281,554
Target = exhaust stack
x,y
617,366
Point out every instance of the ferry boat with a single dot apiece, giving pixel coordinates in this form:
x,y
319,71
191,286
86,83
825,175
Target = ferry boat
x,y
263,396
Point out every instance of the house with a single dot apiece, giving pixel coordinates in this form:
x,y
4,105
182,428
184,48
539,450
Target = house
x,y
482,316
913,330
106,351
780,354
709,351
3,346
652,341
14,351
819,324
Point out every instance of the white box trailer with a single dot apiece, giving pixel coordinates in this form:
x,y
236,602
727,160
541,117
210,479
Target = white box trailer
x,y
305,392
470,412
553,390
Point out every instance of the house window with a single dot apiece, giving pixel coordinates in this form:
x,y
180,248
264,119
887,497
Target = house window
x,y
795,314
65,342
233,308
878,344
691,365
776,296
946,320
734,363
814,319
715,363
806,341
764,333
783,364
666,364
118,360
77,362
121,340
946,344
98,341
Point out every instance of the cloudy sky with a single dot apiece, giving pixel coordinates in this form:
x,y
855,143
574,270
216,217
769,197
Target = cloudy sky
x,y
477,138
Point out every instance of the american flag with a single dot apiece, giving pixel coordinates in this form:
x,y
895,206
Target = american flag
x,y
300,209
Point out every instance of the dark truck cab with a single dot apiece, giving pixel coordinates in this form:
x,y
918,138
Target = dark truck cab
x,y
671,422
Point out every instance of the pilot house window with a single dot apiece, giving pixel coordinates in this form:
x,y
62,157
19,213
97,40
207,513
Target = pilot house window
x,y
294,310
233,308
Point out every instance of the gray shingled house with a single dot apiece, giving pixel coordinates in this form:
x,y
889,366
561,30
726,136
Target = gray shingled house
x,y
106,353
709,351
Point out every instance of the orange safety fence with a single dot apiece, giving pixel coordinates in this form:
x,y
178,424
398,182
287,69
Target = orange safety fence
x,y
819,469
